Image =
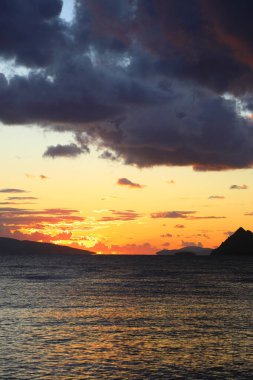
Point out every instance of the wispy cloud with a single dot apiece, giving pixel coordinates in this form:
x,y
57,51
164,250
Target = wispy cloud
x,y
172,214
189,215
32,176
126,215
206,217
21,198
21,217
179,226
216,197
13,191
128,183
239,187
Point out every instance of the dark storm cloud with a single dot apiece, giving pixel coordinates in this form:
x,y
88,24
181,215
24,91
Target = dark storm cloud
x,y
31,31
144,81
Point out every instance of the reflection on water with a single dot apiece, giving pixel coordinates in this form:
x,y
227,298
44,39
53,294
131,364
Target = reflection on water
x,y
125,318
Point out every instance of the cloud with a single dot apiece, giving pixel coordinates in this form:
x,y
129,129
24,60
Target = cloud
x,y
148,83
172,214
216,197
21,198
71,150
207,217
191,244
7,203
248,214
179,226
166,236
127,182
13,191
27,218
127,249
31,176
189,215
33,36
124,216
239,187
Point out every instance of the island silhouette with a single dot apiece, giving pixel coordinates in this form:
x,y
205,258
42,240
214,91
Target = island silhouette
x,y
25,247
240,243
188,251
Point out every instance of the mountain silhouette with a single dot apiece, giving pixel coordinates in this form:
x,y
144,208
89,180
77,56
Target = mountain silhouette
x,y
238,244
191,250
22,247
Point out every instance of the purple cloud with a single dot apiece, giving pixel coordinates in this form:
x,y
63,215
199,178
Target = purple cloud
x,y
128,183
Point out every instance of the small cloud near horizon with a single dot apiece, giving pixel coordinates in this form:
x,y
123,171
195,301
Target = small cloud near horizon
x,y
127,249
128,183
167,244
171,182
239,187
191,244
166,236
179,226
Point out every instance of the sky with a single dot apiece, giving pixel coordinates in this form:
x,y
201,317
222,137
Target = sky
x,y
126,125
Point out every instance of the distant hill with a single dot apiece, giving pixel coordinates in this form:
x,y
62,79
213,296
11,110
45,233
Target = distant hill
x,y
22,247
238,244
185,250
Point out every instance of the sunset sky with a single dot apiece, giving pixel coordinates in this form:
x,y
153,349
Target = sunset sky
x,y
126,125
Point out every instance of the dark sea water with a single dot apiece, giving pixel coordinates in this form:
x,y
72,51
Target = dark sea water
x,y
124,317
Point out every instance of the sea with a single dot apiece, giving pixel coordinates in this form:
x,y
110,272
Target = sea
x,y
125,317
